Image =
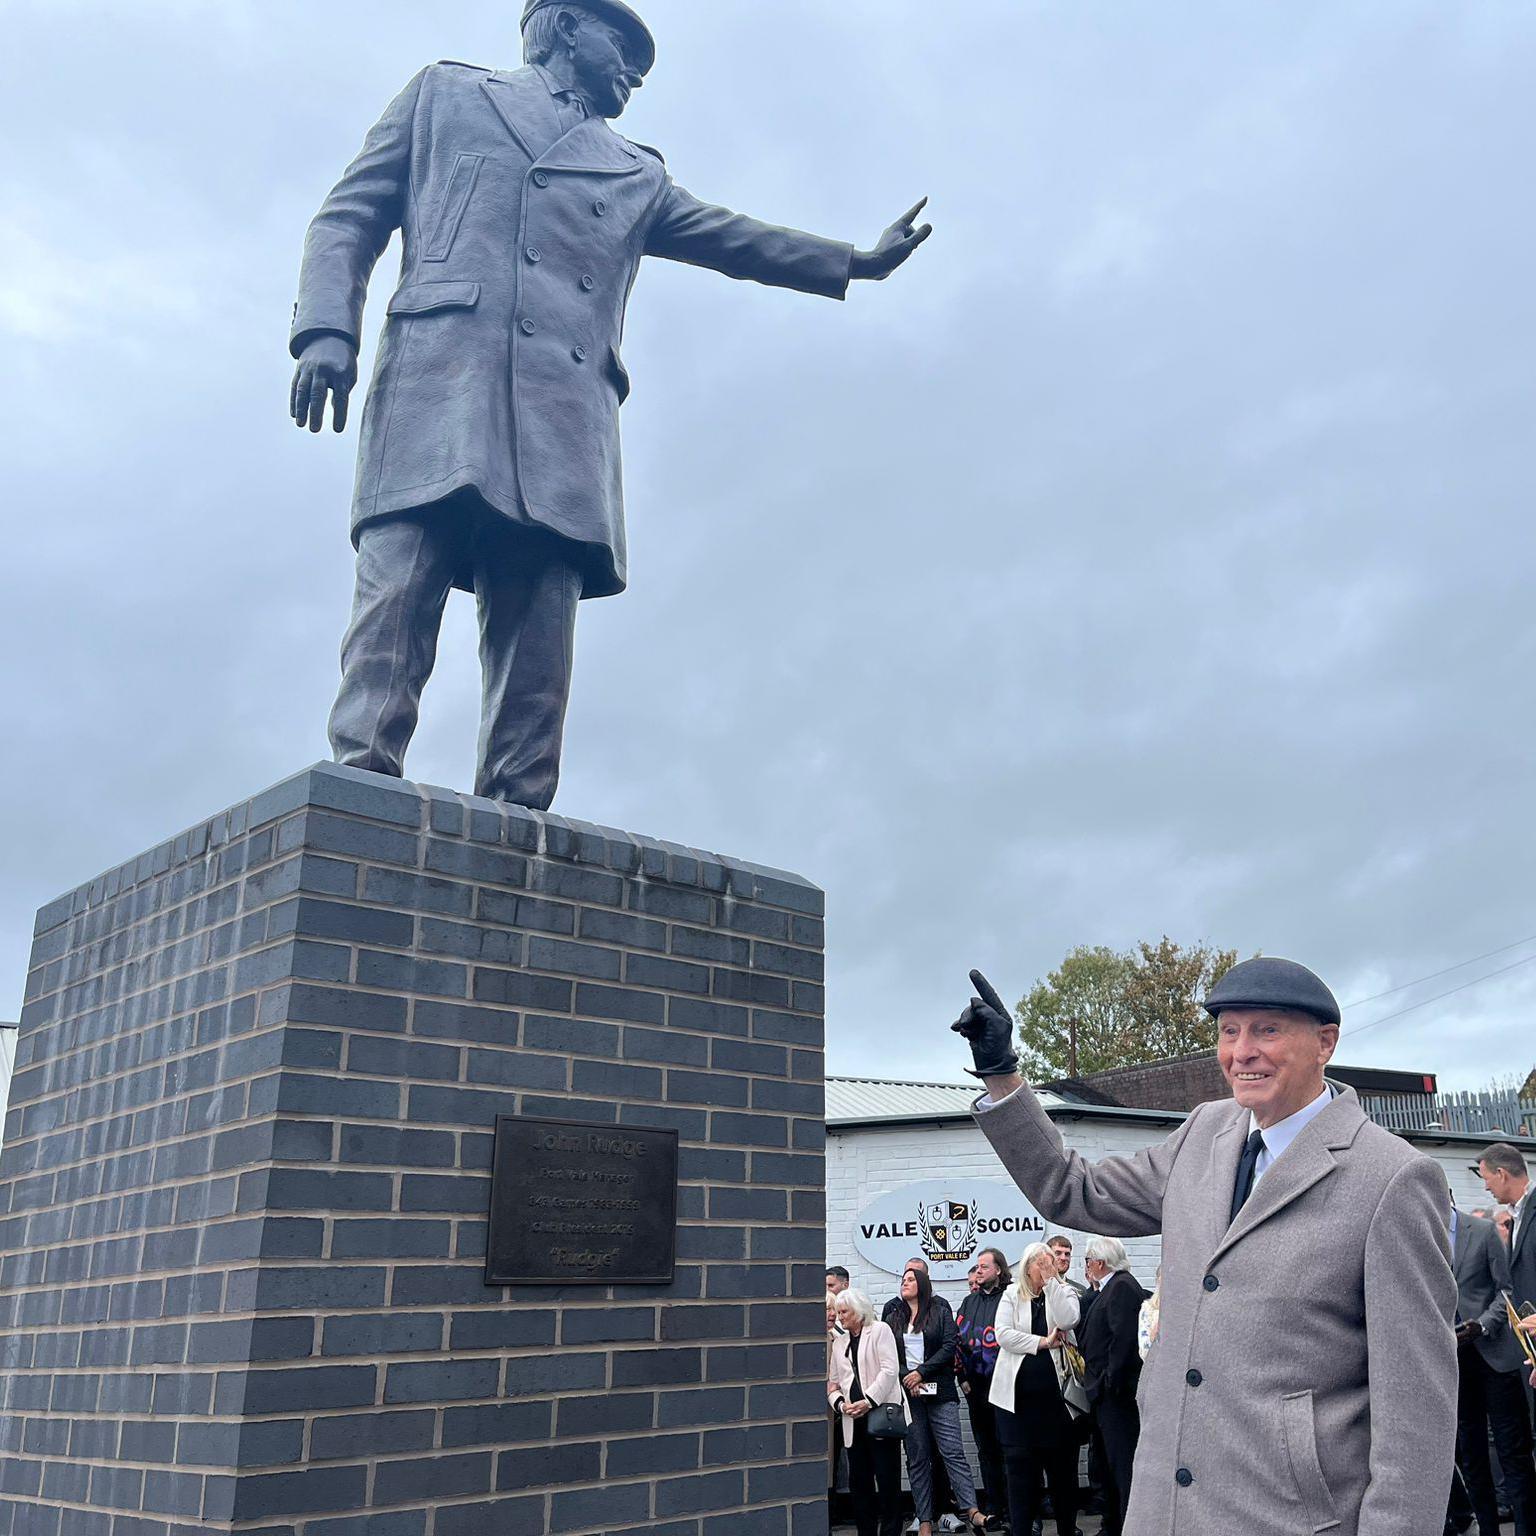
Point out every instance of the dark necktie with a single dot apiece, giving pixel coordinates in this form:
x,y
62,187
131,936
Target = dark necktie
x,y
1245,1171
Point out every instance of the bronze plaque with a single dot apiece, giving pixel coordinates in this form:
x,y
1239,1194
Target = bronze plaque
x,y
580,1204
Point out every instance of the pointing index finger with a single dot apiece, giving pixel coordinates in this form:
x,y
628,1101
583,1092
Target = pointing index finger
x,y
913,211
988,993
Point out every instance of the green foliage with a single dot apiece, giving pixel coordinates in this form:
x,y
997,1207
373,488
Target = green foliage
x,y
1127,1008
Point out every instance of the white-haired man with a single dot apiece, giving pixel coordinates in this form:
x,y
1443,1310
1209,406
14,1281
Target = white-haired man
x,y
1112,1366
1304,1377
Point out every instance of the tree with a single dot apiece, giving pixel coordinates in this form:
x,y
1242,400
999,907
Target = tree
x,y
1102,1008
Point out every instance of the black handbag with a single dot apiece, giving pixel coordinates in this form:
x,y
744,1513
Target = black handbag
x,y
887,1421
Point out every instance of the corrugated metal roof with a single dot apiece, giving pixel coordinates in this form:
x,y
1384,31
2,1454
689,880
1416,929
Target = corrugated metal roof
x,y
860,1100
8,1038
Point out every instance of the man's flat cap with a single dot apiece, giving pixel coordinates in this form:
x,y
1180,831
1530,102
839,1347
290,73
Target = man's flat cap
x,y
1269,982
644,54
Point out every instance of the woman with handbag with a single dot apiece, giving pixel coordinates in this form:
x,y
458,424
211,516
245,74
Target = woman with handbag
x,y
865,1391
1031,1387
925,1340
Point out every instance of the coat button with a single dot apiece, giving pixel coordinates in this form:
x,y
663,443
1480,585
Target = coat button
x,y
540,179
587,282
1211,1283
1183,1477
528,327
599,207
1194,1378
579,353
534,254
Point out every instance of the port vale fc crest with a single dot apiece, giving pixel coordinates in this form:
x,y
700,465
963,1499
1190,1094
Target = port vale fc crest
x,y
948,1229
948,1221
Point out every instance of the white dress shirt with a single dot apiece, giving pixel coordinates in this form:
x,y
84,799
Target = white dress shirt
x,y
1283,1132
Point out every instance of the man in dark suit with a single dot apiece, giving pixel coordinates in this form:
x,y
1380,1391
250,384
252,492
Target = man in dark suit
x,y
1505,1176
1112,1365
489,456
1491,1389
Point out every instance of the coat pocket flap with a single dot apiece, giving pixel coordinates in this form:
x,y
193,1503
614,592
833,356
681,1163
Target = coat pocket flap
x,y
1306,1468
422,298
620,376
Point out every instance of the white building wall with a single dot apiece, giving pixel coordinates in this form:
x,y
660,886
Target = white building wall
x,y
866,1161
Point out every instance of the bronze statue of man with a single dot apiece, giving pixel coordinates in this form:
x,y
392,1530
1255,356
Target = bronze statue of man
x,y
489,457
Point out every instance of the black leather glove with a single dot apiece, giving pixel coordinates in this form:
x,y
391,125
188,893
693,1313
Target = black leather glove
x,y
988,1025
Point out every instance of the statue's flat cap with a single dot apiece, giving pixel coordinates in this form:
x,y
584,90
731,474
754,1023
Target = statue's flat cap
x,y
1270,982
615,10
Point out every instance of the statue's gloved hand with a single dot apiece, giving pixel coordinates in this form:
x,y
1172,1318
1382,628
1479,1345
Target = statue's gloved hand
x,y
988,1025
895,245
327,366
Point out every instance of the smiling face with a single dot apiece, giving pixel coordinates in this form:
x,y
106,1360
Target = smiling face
x,y
1273,1058
602,62
1063,1253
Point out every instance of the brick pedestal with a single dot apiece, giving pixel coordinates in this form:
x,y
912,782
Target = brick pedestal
x,y
245,1182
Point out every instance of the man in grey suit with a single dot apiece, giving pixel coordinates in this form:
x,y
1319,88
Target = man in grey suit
x,y
1492,1386
489,456
1304,1375
1505,1176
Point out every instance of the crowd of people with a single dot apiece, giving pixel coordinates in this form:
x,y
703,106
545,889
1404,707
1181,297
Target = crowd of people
x,y
1045,1365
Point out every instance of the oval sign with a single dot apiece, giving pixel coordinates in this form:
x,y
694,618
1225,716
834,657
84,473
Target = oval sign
x,y
948,1221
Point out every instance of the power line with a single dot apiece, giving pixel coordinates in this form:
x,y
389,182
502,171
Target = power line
x,y
1503,949
1440,996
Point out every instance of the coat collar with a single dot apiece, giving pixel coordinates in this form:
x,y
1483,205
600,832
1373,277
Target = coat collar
x,y
1307,1161
523,102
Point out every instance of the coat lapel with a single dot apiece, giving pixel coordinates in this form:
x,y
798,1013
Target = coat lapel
x,y
1307,1161
522,101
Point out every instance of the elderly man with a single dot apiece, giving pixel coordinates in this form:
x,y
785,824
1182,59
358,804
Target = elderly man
x,y
1112,1366
1304,1378
489,456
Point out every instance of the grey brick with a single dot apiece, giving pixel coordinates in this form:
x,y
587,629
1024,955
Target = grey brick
x,y
301,1094
302,1390
731,1280
572,1037
469,1193
402,1058
604,1325
710,1017
702,1491
748,1362
549,1465
407,973
786,1243
774,1319
716,1165
705,1322
726,1204
748,1130
499,1515
647,1455
382,1334
713,1088
392,1238
529,912
604,1415
789,1098
708,944
620,928
320,1286
292,1493
791,1028
505,1328
440,1285
789,1169
517,1069
569,959
537,1375
521,990
599,1509
748,1442
462,1021
808,1135
319,1189
690,1124
371,1434
713,1241
471,941
666,1046
306,1004
458,1106
501,1424
785,1400
436,1381
609,1078
434,1477
316,919
403,1522
667,901
395,1146
473,861
656,1367
805,964
751,987
572,883
619,1003
418,893
763,922
671,975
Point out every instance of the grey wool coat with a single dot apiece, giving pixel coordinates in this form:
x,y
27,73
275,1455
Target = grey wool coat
x,y
499,366
1304,1375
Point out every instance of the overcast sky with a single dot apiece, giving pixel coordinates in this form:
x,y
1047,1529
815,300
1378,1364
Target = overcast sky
x,y
1152,554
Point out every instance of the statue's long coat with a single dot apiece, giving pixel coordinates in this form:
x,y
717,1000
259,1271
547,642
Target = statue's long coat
x,y
1304,1375
499,366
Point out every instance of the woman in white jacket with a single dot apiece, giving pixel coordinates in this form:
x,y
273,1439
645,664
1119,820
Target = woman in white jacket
x,y
866,1372
1035,1318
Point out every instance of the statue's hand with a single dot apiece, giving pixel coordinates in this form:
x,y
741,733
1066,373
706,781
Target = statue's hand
x,y
896,244
987,1024
327,366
